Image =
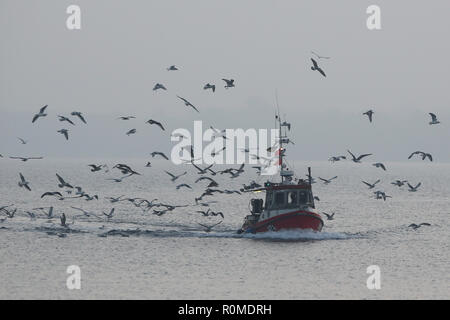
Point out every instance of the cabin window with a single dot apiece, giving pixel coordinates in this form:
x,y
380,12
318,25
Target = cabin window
x,y
303,197
292,199
280,199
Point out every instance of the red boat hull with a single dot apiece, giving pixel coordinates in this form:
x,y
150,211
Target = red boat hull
x,y
288,221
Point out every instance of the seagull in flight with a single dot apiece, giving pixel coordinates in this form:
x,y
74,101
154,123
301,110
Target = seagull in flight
x,y
159,86
187,103
157,153
337,158
327,181
417,226
64,132
183,185
52,194
423,154
399,183
210,86
229,83
379,165
126,118
369,114
315,66
24,183
329,216
63,183
414,189
174,177
358,159
26,159
132,131
172,68
434,119
22,141
62,118
79,115
40,114
371,185
110,214
157,123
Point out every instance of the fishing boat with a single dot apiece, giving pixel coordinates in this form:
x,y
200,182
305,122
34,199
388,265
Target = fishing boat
x,y
288,204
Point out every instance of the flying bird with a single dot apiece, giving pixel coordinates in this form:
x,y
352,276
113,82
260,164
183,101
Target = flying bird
x,y
159,86
358,159
79,115
318,56
157,153
40,114
157,123
62,182
174,177
379,165
22,141
188,104
172,68
183,185
315,66
327,181
417,226
209,228
110,214
132,131
399,183
126,118
434,119
27,158
62,118
210,86
52,194
369,114
229,83
371,185
414,189
64,132
329,216
424,155
24,183
337,158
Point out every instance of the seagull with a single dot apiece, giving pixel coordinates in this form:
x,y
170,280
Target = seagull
x,y
11,213
210,86
157,123
371,185
174,178
369,114
229,83
148,165
414,189
183,185
132,131
381,195
316,67
423,154
172,68
110,214
399,183
157,153
119,179
24,183
126,118
22,141
159,86
337,158
187,103
379,165
53,194
434,119
65,132
26,159
358,159
209,228
40,114
416,226
329,216
62,118
95,168
327,181
79,115
63,183
319,57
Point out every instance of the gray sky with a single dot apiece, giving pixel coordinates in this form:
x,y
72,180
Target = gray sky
x,y
108,69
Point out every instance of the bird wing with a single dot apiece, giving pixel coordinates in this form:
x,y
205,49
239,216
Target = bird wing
x,y
363,155
433,116
322,72
368,184
353,156
36,116
314,63
60,179
418,185
22,178
169,174
43,108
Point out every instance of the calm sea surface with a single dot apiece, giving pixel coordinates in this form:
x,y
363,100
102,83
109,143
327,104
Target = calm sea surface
x,y
138,255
